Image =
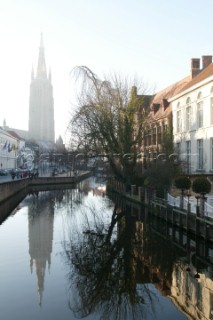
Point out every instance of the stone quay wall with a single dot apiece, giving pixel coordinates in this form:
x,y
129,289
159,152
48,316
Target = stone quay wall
x,y
11,188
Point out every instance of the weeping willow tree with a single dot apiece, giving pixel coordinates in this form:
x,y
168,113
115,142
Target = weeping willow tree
x,y
106,119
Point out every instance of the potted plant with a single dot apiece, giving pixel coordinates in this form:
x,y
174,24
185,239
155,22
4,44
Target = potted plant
x,y
183,183
202,186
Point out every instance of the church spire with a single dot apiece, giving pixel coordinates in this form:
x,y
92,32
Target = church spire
x,y
41,69
50,75
32,74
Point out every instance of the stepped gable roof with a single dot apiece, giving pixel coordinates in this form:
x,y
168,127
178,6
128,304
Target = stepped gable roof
x,y
161,99
204,74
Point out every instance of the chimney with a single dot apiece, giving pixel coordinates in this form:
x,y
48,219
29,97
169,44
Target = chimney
x,y
206,60
195,67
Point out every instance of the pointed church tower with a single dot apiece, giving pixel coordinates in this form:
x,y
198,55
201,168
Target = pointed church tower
x,y
41,104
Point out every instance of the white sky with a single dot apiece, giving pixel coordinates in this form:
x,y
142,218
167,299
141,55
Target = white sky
x,y
153,39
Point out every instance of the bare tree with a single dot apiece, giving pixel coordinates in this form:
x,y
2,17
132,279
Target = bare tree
x,y
106,119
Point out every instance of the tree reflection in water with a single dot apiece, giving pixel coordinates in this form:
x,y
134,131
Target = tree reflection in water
x,y
104,265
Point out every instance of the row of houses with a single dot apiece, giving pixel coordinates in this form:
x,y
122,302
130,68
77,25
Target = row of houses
x,y
14,152
17,151
185,109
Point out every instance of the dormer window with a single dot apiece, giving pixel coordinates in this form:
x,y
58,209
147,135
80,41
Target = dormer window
x,y
156,107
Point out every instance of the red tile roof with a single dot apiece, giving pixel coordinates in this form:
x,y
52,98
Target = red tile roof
x,y
171,91
164,95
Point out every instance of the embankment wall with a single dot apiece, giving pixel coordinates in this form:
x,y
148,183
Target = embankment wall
x,y
11,188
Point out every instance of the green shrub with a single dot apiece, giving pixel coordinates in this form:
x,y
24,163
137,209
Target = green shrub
x,y
182,182
201,185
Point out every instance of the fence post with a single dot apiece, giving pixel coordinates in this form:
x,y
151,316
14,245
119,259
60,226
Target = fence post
x,y
133,188
140,193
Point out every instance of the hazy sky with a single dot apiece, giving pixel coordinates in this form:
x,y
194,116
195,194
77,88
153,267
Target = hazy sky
x,y
153,39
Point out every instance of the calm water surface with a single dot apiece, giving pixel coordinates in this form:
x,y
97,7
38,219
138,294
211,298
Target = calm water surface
x,y
73,254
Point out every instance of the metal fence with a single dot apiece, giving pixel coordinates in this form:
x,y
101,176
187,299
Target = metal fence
x,y
192,204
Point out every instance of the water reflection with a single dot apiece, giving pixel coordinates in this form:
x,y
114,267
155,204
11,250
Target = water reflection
x,y
192,274
112,266
117,261
40,233
11,205
41,208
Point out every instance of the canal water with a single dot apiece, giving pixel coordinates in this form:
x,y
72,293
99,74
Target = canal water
x,y
81,254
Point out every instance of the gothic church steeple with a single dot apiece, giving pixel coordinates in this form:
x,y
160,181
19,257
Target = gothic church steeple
x,y
41,106
41,69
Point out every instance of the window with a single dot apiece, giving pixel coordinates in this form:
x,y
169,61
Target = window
x,y
188,114
188,118
178,147
149,137
211,152
211,106
211,305
199,296
145,137
200,114
211,110
154,136
188,157
178,121
199,111
159,134
200,154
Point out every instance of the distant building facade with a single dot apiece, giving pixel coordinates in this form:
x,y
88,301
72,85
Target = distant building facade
x,y
159,121
22,148
193,119
184,110
41,104
9,146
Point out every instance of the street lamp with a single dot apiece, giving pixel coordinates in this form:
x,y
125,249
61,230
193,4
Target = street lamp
x,y
175,156
161,155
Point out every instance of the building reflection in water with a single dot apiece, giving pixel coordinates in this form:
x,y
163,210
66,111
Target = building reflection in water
x,y
113,264
192,275
40,228
41,209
